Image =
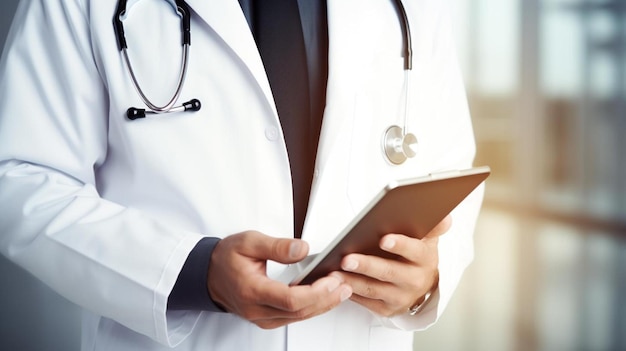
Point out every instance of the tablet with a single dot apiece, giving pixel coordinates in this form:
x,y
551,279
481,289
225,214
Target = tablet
x,y
411,207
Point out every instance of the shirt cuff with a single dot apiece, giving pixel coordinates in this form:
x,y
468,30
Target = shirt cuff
x,y
190,291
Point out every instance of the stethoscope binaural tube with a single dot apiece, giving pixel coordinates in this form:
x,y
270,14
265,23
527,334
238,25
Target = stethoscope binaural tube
x,y
134,113
397,144
191,105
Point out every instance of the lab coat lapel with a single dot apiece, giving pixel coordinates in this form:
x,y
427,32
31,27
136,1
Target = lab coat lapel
x,y
344,68
345,73
354,51
226,18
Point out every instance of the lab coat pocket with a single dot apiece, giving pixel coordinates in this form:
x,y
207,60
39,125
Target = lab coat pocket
x,y
114,336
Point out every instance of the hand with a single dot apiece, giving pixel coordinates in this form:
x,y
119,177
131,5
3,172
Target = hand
x,y
390,287
238,281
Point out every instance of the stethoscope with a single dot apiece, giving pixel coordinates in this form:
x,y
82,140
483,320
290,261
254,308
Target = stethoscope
x,y
191,105
397,144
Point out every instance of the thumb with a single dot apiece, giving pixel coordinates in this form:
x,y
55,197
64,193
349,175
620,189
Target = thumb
x,y
279,249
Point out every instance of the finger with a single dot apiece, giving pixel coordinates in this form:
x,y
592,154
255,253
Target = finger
x,y
373,277
441,228
279,321
413,250
276,301
380,297
367,287
281,250
297,298
375,267
379,307
273,317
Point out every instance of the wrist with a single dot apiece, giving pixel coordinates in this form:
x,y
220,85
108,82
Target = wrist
x,y
419,306
422,302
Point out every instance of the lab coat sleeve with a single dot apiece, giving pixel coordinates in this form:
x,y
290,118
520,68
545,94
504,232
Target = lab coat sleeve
x,y
115,261
190,291
456,150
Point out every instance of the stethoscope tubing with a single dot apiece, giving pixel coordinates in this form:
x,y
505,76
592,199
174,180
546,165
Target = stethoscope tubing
x,y
406,35
191,105
181,81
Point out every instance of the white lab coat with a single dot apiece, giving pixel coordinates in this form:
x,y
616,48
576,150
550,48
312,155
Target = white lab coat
x,y
105,210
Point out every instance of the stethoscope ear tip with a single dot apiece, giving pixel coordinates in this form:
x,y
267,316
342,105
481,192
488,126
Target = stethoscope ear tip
x,y
192,105
134,113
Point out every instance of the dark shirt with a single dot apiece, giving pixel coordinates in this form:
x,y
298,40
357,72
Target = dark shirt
x,y
301,125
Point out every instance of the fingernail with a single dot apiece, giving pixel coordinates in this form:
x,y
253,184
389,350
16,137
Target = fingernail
x,y
337,276
333,284
388,243
294,249
345,294
350,265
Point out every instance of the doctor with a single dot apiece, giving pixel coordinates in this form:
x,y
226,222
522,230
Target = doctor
x,y
135,220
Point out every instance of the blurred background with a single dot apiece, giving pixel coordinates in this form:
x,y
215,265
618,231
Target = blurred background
x,y
546,82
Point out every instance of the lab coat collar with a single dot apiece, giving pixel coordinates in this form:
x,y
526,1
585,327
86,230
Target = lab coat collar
x,y
131,3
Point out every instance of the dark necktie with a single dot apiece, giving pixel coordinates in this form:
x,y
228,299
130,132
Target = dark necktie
x,y
278,32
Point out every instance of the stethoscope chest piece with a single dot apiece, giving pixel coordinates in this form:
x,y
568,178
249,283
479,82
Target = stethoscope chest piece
x,y
399,146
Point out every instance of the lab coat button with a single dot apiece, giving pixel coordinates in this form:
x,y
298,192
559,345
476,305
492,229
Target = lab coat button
x,y
271,133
